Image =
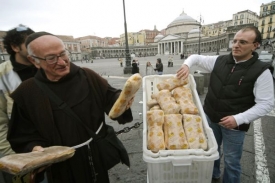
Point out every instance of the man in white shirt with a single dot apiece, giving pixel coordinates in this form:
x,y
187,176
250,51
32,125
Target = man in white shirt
x,y
240,91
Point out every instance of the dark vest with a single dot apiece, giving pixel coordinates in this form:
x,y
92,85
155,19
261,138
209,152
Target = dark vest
x,y
231,88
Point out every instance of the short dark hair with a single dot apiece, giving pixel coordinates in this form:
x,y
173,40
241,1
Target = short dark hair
x,y
258,37
159,60
15,37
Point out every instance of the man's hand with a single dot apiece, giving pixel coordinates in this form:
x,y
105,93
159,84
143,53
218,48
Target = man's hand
x,y
183,72
38,148
38,170
228,122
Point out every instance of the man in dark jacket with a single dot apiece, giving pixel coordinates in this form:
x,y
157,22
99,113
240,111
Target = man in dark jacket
x,y
38,122
240,91
159,67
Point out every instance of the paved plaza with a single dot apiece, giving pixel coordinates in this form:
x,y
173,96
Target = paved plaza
x,y
258,160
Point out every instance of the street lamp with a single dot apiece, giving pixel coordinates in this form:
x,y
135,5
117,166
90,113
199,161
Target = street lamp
x,y
127,68
199,49
218,43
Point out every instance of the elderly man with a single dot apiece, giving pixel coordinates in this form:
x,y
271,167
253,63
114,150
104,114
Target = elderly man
x,y
38,122
240,91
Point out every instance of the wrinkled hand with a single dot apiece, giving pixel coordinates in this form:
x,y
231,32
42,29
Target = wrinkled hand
x,y
228,122
183,72
37,149
130,103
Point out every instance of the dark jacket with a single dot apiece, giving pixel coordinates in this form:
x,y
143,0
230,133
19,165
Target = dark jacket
x,y
231,87
135,68
159,67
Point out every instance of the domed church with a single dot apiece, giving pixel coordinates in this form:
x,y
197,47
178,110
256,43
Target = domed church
x,y
183,35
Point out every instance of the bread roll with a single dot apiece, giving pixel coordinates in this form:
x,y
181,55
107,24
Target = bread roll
x,y
155,107
167,102
129,90
155,137
184,98
171,83
174,134
152,103
194,131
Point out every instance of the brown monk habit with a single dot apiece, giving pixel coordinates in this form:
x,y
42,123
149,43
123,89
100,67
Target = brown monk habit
x,y
38,121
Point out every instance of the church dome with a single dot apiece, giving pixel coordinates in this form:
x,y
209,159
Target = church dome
x,y
183,18
158,37
195,33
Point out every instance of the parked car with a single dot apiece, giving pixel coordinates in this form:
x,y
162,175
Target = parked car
x,y
268,57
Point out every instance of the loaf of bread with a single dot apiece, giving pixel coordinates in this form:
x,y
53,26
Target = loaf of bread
x,y
167,102
26,162
173,131
184,98
129,90
155,107
194,131
155,137
152,103
171,83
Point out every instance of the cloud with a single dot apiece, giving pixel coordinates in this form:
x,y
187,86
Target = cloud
x,y
105,17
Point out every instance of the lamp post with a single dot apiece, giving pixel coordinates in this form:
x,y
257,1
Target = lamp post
x,y
127,68
199,48
218,43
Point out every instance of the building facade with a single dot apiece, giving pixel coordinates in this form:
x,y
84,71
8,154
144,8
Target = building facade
x,y
267,20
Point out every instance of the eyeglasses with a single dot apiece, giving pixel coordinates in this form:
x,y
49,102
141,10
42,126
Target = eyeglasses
x,y
242,42
21,28
52,59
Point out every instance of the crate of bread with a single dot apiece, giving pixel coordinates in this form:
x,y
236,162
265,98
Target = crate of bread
x,y
176,134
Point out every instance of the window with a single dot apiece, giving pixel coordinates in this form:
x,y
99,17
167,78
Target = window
x,y
236,23
262,30
242,16
241,22
263,22
265,8
273,7
269,29
236,17
270,20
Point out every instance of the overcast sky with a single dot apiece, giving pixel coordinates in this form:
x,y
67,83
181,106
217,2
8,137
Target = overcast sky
x,y
105,17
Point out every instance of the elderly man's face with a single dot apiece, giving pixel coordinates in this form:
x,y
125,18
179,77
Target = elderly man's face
x,y
46,46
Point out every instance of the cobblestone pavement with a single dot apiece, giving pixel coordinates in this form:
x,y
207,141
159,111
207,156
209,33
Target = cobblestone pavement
x,y
251,172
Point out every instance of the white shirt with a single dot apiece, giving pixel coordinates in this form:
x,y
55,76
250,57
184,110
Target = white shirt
x,y
263,89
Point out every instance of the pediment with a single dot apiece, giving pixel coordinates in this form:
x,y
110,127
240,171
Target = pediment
x,y
170,37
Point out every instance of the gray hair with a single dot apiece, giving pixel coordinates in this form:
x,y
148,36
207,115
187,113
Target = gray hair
x,y
30,52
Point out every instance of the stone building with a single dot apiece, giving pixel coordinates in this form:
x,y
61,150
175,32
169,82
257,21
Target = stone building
x,y
186,35
72,45
267,20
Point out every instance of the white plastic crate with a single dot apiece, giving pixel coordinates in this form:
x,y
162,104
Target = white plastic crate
x,y
178,166
180,169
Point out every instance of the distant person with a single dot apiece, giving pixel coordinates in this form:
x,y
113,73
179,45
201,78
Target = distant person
x,y
149,68
182,56
135,68
121,62
159,67
240,91
170,62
